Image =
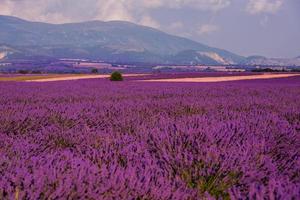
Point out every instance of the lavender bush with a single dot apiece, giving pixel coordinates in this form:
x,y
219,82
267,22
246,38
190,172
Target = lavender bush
x,y
95,139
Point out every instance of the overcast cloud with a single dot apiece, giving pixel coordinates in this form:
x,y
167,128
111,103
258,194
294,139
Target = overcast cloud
x,y
246,27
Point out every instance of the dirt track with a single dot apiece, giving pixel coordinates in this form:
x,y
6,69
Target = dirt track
x,y
227,78
78,77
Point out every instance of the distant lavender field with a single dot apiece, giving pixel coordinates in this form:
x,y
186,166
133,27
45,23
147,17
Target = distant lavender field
x,y
96,139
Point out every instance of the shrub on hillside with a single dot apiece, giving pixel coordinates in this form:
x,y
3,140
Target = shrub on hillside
x,y
116,76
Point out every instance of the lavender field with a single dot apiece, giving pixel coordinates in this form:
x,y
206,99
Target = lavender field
x,y
96,139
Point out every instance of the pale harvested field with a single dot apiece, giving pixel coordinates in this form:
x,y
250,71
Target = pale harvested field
x,y
77,77
222,79
18,77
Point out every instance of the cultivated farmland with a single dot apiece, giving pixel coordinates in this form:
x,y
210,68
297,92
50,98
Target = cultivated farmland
x,y
96,139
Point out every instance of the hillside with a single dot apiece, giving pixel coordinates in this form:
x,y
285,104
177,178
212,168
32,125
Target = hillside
x,y
114,41
260,60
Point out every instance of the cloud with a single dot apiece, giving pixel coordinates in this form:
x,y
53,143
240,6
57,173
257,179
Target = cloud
x,y
263,6
208,5
148,21
178,28
136,11
5,8
113,10
207,28
211,5
43,10
79,10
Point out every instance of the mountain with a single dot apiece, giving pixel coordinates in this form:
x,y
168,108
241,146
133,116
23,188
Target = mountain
x,y
260,60
113,41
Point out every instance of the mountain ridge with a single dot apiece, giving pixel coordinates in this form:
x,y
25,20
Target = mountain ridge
x,y
113,41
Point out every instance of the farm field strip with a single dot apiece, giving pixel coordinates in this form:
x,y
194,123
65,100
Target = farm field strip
x,y
19,77
57,77
222,79
69,78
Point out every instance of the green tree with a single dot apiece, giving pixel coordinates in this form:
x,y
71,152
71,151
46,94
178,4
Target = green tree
x,y
116,76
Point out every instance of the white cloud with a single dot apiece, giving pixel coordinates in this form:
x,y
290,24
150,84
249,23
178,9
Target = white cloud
x,y
148,21
263,6
178,28
151,3
113,10
210,5
33,10
78,10
207,28
137,11
5,8
213,5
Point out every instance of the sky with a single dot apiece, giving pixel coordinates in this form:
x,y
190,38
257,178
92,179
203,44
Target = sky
x,y
247,27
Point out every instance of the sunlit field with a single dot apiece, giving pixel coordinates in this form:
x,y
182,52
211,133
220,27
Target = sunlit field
x,y
224,78
97,139
55,77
